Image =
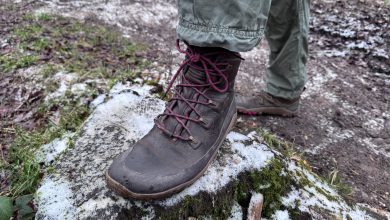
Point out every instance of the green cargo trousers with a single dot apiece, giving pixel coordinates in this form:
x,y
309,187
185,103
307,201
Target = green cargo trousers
x,y
239,25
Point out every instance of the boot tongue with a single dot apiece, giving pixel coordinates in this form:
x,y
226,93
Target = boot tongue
x,y
195,76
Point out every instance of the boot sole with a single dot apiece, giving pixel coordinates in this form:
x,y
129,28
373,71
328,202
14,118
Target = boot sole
x,y
268,110
124,192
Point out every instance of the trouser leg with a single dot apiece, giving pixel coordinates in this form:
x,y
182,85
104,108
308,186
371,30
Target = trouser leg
x,y
236,25
287,36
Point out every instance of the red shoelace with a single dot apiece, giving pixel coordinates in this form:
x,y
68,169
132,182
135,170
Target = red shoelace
x,y
212,71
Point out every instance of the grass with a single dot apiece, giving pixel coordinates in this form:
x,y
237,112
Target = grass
x,y
91,51
11,63
25,169
88,49
276,143
335,180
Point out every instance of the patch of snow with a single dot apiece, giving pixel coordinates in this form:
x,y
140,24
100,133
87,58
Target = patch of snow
x,y
4,42
235,212
312,196
360,45
218,175
65,79
330,96
140,113
129,16
281,215
315,84
54,199
78,87
140,90
89,207
234,137
333,53
49,152
374,126
381,53
97,101
377,149
347,33
375,210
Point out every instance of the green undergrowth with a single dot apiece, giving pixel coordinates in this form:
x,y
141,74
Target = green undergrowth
x,y
96,54
334,179
273,181
276,143
90,49
25,170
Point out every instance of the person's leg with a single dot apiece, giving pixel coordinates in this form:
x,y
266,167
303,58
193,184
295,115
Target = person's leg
x,y
234,25
286,33
188,134
287,36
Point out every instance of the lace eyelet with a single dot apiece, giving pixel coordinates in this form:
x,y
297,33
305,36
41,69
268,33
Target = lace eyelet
x,y
194,143
212,103
204,123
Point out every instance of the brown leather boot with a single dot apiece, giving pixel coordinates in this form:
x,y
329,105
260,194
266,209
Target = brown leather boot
x,y
265,103
187,135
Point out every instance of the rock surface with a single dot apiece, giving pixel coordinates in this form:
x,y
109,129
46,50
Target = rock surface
x,y
76,189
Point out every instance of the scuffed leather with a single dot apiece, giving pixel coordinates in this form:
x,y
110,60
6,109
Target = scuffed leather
x,y
158,162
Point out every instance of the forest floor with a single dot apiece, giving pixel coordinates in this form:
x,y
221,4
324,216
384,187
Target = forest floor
x,y
344,122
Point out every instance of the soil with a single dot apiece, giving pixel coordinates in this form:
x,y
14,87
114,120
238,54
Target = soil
x,y
344,120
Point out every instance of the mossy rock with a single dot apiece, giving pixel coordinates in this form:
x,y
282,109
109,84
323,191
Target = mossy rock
x,y
76,189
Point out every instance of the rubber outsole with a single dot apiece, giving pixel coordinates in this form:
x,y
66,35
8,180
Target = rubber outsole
x,y
126,193
268,110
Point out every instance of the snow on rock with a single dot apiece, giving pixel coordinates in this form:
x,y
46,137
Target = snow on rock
x,y
316,196
77,188
236,212
225,169
97,101
57,199
281,215
50,151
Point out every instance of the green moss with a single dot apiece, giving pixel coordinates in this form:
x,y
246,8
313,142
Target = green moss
x,y
270,182
203,204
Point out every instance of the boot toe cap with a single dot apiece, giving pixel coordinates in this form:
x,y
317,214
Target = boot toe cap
x,y
153,179
145,183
